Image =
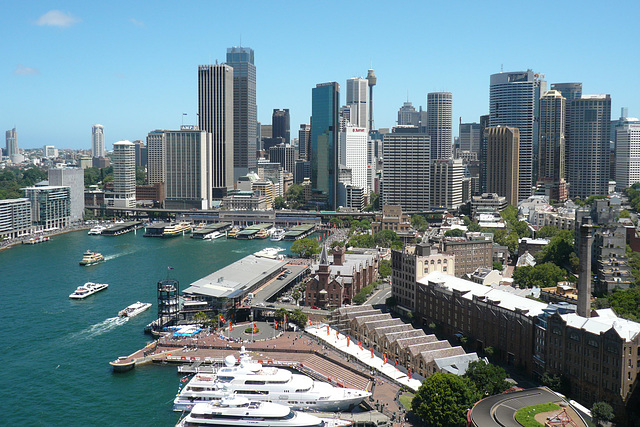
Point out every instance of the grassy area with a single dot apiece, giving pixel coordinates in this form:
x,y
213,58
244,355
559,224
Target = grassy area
x,y
405,400
526,416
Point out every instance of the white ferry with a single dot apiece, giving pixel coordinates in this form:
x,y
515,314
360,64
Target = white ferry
x,y
277,234
91,258
267,384
176,229
239,411
134,309
87,289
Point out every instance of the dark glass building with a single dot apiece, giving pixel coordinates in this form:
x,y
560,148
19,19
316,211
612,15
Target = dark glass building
x,y
280,125
325,100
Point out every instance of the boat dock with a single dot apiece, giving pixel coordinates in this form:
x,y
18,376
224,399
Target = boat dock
x,y
251,231
118,229
210,228
155,229
299,232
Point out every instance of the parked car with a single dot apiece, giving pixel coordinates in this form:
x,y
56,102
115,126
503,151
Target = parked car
x,y
315,307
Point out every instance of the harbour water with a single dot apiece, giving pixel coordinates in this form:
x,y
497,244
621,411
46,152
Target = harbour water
x,y
55,352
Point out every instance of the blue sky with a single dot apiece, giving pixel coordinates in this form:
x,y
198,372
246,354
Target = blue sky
x,y
132,66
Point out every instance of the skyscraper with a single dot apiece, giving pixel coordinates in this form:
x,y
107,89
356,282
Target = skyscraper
x,y
97,141
304,141
484,124
245,110
325,100
74,179
11,142
502,162
588,166
358,100
281,125
627,153
551,163
124,176
353,155
408,116
569,91
405,170
439,122
446,183
285,155
470,137
216,116
514,100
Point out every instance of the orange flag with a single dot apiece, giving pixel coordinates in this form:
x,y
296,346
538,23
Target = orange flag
x,y
327,329
255,328
348,341
372,352
360,344
409,373
337,334
230,326
276,323
310,322
222,318
384,357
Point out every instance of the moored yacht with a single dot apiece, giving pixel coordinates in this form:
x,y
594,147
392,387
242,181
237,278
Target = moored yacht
x,y
259,383
213,235
134,309
97,230
87,289
239,411
91,258
277,235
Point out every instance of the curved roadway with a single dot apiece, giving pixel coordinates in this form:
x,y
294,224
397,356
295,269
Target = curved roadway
x,y
500,410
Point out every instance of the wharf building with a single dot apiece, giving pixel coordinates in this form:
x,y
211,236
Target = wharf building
x,y
74,179
413,263
124,176
325,100
514,101
15,218
439,124
50,206
411,348
405,170
503,147
216,106
588,159
337,278
245,110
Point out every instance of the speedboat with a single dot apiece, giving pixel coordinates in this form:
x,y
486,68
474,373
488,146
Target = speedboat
x,y
213,235
87,289
277,235
91,258
134,309
176,229
239,411
266,384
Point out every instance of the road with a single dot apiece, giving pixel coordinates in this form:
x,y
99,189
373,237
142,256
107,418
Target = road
x,y
380,296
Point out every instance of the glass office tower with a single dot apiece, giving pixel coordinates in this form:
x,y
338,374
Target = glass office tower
x,y
325,100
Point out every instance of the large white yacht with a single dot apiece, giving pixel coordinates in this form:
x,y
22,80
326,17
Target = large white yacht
x,y
134,309
87,289
277,234
268,384
239,411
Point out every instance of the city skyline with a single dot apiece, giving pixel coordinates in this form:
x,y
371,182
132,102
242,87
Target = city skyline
x,y
59,90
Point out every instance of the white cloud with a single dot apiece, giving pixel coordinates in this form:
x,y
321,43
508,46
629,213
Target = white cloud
x,y
22,70
137,23
56,18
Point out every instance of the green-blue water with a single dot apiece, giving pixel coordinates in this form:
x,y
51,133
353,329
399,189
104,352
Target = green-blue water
x,y
55,352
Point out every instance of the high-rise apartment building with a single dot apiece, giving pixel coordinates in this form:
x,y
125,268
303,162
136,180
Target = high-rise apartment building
x,y
97,141
155,156
502,162
627,153
484,124
551,163
11,142
569,91
74,179
304,141
245,110
281,125
358,100
470,137
588,166
124,176
405,170
353,155
514,100
325,100
216,108
50,206
439,125
141,154
446,183
15,218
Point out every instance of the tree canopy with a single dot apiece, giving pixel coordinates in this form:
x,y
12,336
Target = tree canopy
x,y
626,303
559,250
13,179
384,268
602,411
305,248
443,400
488,379
541,275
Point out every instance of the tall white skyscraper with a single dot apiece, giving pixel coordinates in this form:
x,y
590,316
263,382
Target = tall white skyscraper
x,y
12,142
74,179
627,153
97,141
358,100
514,100
353,155
124,176
439,124
216,116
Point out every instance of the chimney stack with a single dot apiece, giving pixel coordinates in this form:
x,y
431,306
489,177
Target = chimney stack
x,y
584,254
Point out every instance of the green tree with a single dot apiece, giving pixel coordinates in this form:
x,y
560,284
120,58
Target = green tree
x,y
365,224
305,248
602,411
509,214
456,232
559,250
279,315
547,231
141,176
384,268
295,193
200,317
391,302
541,275
374,203
279,203
362,295
497,265
362,241
474,227
443,400
487,378
335,221
298,317
385,238
625,214
296,296
419,223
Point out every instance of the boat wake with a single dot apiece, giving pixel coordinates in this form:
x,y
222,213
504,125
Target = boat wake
x,y
110,257
100,328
